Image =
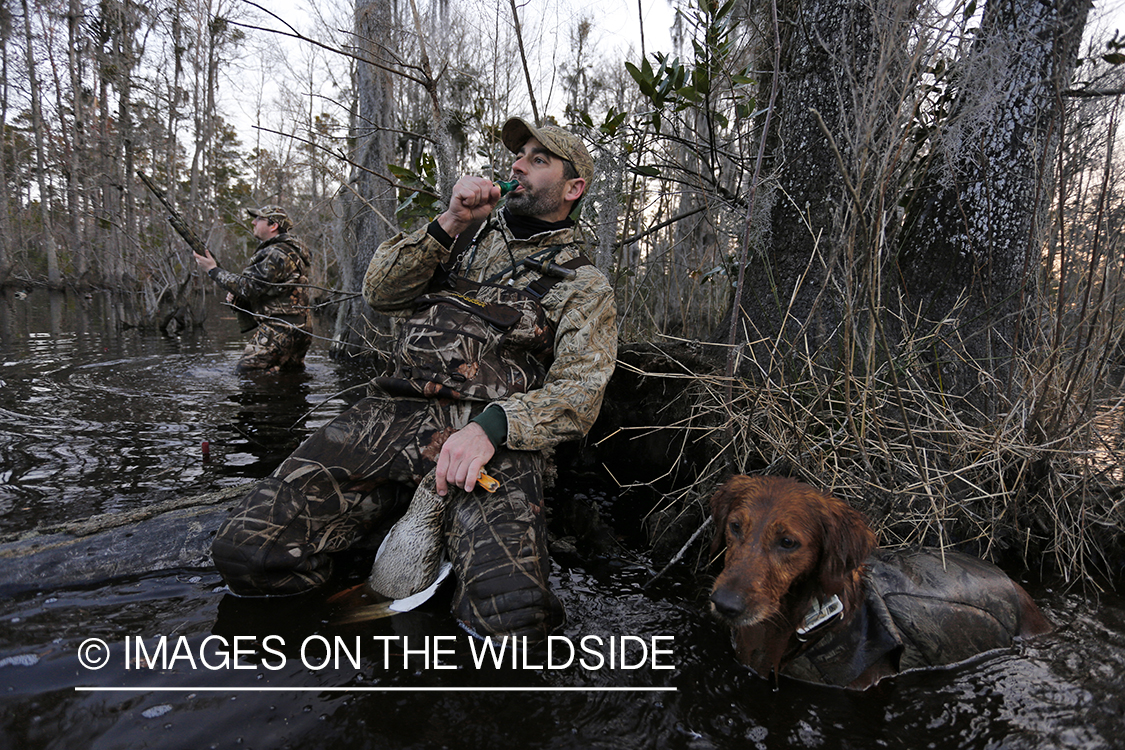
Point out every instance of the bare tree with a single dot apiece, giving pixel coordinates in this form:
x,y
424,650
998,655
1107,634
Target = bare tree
x,y
5,206
972,250
369,200
54,277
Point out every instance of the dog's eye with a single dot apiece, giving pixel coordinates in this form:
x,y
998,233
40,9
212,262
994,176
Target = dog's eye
x,y
788,543
735,529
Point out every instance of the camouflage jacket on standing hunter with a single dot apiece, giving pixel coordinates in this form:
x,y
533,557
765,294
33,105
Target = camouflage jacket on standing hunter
x,y
581,312
273,284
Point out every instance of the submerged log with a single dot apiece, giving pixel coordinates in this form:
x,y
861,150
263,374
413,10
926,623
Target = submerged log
x,y
162,536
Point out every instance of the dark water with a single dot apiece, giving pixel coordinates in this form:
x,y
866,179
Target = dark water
x,y
95,420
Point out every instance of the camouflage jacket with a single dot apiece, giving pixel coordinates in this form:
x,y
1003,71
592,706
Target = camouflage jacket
x,y
581,313
273,284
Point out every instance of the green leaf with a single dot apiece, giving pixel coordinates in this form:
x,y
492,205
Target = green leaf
x,y
647,171
405,205
701,80
613,121
689,93
644,81
402,173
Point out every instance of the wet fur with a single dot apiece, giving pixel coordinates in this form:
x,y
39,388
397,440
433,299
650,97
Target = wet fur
x,y
787,543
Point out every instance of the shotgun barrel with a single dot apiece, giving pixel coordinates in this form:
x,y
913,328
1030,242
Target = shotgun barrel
x,y
175,219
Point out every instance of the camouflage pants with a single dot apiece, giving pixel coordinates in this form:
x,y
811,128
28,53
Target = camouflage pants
x,y
274,346
327,495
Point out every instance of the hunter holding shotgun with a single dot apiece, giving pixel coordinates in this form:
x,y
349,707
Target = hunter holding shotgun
x,y
271,294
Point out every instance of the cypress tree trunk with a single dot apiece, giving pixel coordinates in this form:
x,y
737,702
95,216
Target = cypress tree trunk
x,y
972,249
838,279
368,201
54,275
5,207
790,300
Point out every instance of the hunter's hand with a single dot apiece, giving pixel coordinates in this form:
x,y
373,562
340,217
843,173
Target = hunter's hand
x,y
472,201
462,457
206,262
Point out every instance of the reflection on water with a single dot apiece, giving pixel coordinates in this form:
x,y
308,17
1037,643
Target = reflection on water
x,y
97,419
94,419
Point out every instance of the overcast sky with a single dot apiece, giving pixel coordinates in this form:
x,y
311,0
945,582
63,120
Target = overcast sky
x,y
616,34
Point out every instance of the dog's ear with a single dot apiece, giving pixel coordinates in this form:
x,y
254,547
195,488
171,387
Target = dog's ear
x,y
721,504
848,541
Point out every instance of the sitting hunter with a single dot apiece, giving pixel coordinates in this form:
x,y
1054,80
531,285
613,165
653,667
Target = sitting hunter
x,y
505,351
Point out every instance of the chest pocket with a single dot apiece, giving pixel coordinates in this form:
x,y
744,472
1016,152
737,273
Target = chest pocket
x,y
472,342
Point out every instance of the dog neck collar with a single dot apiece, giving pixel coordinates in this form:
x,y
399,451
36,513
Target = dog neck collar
x,y
822,614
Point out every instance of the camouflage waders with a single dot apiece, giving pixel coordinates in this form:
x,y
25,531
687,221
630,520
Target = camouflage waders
x,y
326,496
479,342
271,298
275,346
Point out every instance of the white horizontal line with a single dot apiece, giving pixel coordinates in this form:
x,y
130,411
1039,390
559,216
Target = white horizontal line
x,y
266,689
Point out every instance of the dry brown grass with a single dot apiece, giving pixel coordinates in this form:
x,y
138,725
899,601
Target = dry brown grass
x,y
903,453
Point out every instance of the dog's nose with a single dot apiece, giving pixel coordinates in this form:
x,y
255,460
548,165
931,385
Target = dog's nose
x,y
727,603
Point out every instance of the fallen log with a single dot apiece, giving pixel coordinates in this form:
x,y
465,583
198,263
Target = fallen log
x,y
165,535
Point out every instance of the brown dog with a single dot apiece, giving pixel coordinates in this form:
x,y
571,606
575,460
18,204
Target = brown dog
x,y
810,597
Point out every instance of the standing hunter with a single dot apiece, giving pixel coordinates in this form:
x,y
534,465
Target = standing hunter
x,y
271,294
505,352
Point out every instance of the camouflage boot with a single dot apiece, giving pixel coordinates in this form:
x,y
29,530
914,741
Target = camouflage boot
x,y
498,546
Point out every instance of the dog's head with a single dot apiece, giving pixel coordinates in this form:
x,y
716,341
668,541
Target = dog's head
x,y
785,544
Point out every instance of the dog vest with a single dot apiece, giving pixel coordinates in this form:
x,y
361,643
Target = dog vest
x,y
921,609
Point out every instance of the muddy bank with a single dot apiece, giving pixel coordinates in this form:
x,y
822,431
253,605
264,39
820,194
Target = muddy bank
x,y
647,431
653,442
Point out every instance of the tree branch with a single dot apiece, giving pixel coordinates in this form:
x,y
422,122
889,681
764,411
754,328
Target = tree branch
x,y
523,58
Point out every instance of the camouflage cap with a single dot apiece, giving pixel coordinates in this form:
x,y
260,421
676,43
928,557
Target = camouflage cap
x,y
274,213
559,142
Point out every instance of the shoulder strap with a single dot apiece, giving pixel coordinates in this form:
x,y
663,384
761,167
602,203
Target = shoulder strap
x,y
461,241
547,279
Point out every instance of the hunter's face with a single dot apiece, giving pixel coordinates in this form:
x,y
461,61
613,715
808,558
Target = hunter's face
x,y
262,228
544,190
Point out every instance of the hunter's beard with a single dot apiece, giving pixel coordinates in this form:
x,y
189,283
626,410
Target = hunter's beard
x,y
534,202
